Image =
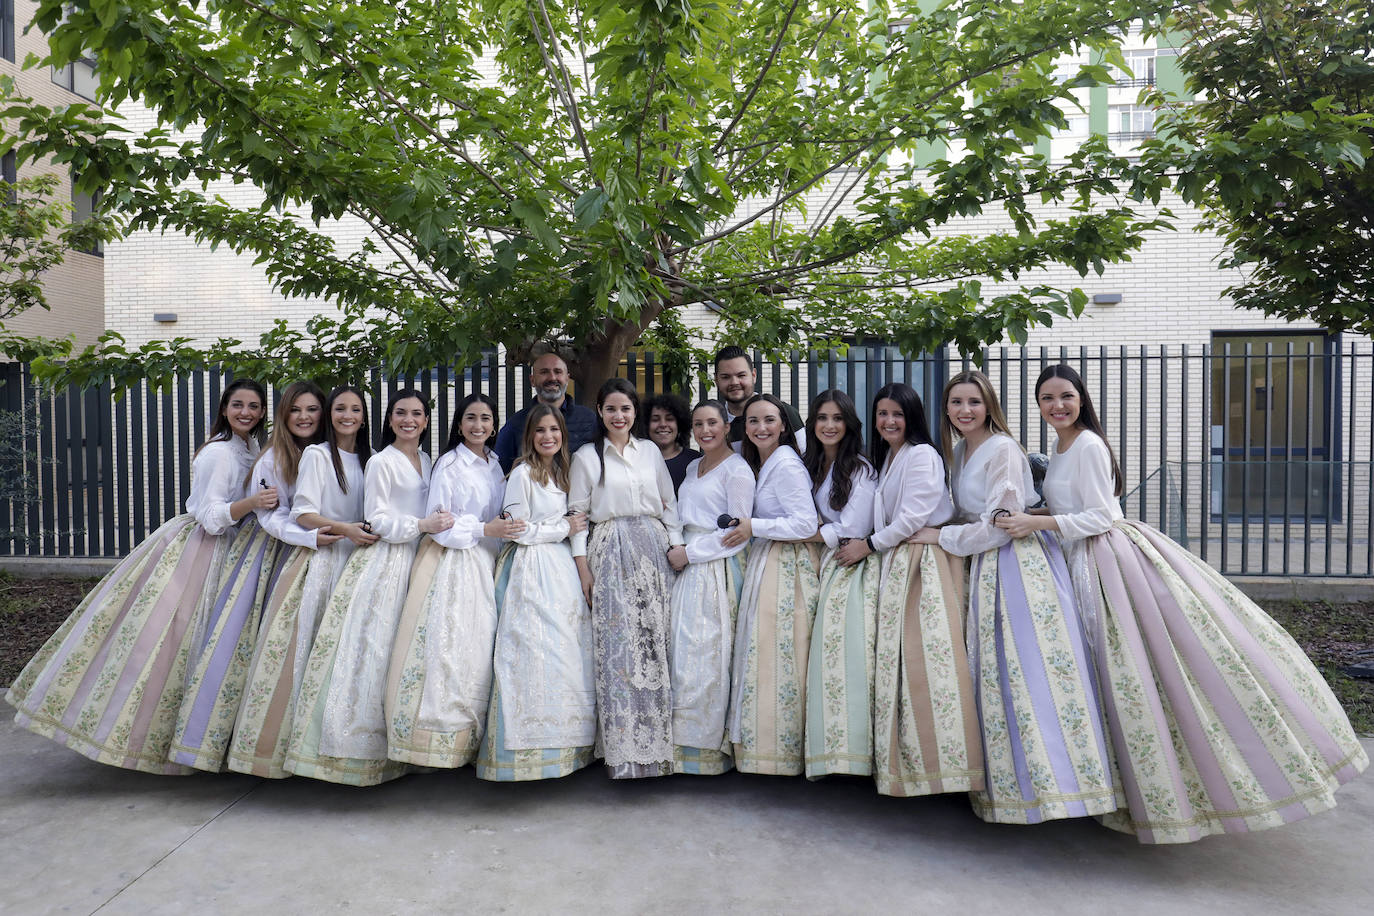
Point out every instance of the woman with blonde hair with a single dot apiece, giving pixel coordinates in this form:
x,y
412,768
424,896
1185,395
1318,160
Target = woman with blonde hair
x,y
1035,688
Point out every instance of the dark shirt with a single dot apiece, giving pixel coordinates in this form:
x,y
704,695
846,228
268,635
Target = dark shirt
x,y
581,422
677,466
737,425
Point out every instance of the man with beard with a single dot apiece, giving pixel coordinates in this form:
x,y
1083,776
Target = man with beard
x,y
735,379
549,379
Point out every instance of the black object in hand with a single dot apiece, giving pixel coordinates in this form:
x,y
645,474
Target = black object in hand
x,y
726,521
262,481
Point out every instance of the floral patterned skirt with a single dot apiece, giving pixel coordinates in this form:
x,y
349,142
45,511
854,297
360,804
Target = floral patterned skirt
x,y
630,618
438,684
1221,723
109,682
772,643
925,724
839,671
1045,743
291,614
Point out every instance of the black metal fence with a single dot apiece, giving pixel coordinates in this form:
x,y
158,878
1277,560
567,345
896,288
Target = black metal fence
x,y
1258,461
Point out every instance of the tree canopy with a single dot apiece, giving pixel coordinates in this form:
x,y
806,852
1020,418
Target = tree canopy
x,y
1281,151
582,171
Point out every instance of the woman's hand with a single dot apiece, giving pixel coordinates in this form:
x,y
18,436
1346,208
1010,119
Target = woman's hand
x,y
740,534
324,536
1021,524
677,557
436,521
925,535
356,533
577,523
852,552
504,528
584,572
265,498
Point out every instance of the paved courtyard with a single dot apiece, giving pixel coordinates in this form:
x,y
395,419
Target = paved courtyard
x,y
85,838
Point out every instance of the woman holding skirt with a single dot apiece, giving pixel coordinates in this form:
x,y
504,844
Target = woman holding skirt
x,y
439,680
339,730
542,719
1044,742
270,541
621,482
1219,721
108,684
778,602
925,723
329,501
717,487
839,670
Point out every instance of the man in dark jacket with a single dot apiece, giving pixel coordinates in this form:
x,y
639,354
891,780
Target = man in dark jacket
x,y
735,377
549,379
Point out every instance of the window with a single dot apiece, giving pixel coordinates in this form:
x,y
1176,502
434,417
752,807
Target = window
x,y
1130,122
9,174
1077,126
78,77
7,29
83,206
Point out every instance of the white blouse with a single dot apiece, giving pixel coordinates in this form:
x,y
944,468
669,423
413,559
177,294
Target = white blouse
x,y
394,495
1078,488
783,507
471,487
726,489
219,478
996,476
637,483
317,486
911,495
543,507
279,522
855,518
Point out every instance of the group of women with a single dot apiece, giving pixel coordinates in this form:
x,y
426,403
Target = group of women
x,y
898,614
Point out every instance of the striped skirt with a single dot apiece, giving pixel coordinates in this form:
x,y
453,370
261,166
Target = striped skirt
x,y
1044,738
109,682
439,679
290,617
1221,723
705,602
772,643
219,667
630,619
338,733
925,724
839,671
532,584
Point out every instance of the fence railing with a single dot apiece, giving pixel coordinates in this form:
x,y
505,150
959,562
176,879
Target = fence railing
x,y
1258,462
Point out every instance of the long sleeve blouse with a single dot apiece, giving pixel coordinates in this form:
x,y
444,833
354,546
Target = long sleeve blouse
x,y
278,522
1078,488
726,489
543,507
219,476
637,482
996,476
394,495
911,495
470,486
855,518
317,486
783,507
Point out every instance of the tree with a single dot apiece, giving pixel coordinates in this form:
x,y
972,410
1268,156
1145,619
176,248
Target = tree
x,y
1279,152
583,171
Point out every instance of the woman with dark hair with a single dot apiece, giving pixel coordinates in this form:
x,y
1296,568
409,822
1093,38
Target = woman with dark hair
x,y
439,681
705,599
339,731
1044,741
215,688
109,682
622,484
668,429
328,500
1219,721
541,723
778,601
839,670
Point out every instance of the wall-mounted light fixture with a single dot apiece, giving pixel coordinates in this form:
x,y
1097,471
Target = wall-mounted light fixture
x,y
165,317
1106,298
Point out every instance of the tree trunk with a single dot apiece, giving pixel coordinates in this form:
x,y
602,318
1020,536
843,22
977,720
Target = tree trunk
x,y
597,360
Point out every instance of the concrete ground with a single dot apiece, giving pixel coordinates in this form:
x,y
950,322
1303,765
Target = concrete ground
x,y
86,838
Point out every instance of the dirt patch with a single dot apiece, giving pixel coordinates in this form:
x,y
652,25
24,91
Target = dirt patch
x,y
30,610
